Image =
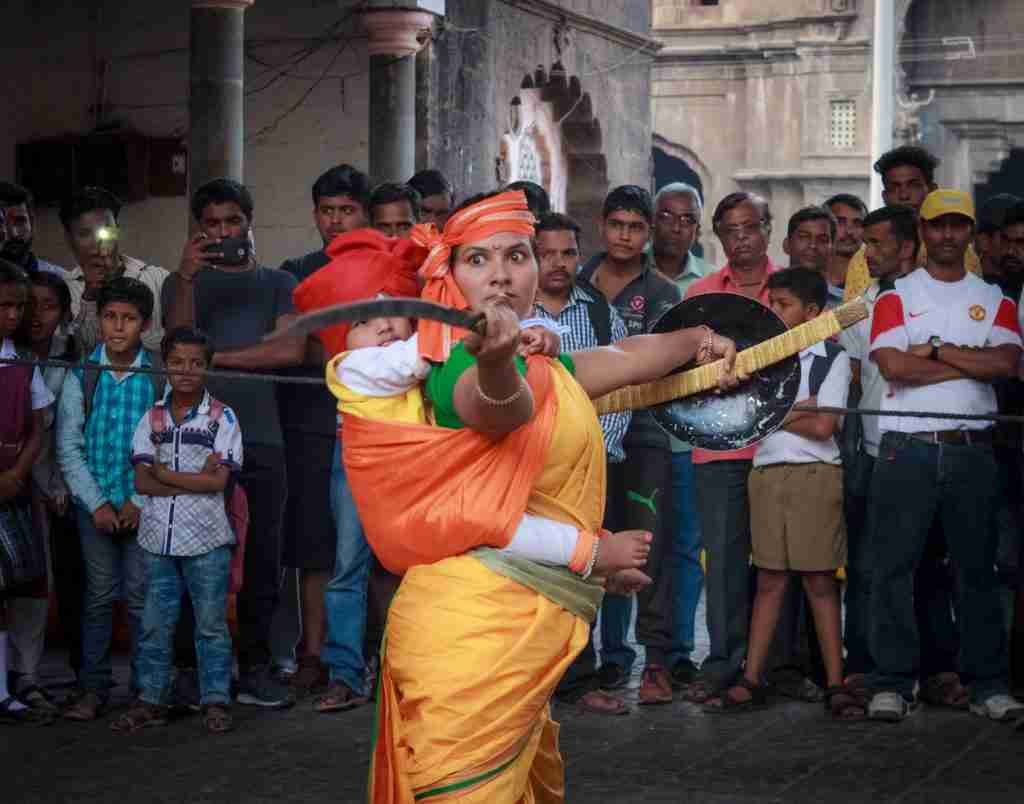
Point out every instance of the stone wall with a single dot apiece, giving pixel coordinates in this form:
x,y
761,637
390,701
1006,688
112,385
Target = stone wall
x,y
478,63
744,92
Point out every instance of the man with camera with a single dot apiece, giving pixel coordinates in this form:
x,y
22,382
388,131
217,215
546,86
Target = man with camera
x,y
90,218
220,289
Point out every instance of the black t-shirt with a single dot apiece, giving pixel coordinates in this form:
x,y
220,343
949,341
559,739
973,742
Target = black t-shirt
x,y
307,408
641,303
236,309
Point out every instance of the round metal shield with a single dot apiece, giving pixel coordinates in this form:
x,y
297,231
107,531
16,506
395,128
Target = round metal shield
x,y
753,410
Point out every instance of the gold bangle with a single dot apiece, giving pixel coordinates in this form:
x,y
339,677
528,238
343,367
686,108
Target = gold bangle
x,y
500,403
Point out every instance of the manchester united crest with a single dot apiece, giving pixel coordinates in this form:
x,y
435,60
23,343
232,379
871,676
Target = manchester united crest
x,y
976,312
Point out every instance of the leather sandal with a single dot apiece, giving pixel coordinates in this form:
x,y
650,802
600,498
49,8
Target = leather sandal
x,y
217,719
599,702
847,703
727,705
141,715
944,690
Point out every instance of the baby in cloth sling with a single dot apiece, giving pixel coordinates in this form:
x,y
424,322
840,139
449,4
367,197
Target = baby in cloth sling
x,y
377,374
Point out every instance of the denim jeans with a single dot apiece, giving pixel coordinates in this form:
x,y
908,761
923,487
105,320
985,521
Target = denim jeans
x,y
205,578
114,566
345,597
915,481
685,557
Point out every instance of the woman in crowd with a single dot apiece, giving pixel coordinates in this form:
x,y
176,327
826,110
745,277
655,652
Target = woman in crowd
x,y
475,643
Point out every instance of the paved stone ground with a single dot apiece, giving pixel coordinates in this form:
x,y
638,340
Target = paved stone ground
x,y
789,753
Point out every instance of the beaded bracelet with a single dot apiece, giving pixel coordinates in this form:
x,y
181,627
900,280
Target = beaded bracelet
x,y
704,351
500,403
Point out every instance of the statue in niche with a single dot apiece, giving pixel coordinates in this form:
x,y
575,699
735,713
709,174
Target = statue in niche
x,y
907,125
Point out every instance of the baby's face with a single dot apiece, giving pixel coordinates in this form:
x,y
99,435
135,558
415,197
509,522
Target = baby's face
x,y
378,332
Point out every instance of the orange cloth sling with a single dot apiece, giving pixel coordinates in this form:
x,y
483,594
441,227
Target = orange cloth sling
x,y
394,469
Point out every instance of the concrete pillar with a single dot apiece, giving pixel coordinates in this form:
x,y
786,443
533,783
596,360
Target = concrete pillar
x,y
216,90
394,39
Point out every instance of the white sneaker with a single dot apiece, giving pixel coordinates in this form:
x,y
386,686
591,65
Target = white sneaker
x,y
999,707
889,707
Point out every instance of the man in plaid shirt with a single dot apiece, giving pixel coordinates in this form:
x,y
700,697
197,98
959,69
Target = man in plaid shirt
x,y
95,425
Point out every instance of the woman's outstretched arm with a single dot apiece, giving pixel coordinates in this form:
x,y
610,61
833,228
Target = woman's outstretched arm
x,y
644,358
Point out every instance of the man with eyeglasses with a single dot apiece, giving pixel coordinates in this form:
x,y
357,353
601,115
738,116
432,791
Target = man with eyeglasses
x,y
628,277
743,223
677,215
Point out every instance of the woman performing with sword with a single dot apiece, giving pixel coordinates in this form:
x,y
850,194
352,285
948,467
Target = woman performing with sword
x,y
476,640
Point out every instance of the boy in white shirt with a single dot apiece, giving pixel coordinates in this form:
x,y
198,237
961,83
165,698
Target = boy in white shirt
x,y
796,508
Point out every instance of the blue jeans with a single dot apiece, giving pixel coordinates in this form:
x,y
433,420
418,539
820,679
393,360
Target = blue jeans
x,y
684,556
205,577
616,615
345,597
114,566
914,482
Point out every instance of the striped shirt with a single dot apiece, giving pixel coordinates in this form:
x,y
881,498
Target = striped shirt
x,y
578,335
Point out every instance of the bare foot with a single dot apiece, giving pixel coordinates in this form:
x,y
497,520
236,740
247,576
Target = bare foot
x,y
627,549
627,582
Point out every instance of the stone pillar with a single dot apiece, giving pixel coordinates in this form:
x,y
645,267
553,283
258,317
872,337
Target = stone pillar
x,y
883,90
394,39
216,90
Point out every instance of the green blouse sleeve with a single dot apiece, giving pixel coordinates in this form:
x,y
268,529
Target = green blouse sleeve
x,y
440,385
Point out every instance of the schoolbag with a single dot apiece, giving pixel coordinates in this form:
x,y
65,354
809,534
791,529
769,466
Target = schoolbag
x,y
90,378
236,502
820,366
599,312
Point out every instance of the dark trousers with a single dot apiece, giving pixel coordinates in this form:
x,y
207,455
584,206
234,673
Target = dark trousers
x,y
933,592
648,505
724,510
68,582
914,483
264,479
265,482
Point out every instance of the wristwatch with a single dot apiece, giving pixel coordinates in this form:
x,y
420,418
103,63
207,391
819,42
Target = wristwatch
x,y
935,342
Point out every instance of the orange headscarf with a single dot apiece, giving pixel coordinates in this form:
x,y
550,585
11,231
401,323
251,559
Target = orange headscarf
x,y
364,264
505,212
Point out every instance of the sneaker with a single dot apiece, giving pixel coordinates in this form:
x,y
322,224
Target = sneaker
x,y
185,692
656,687
890,707
258,687
684,673
612,677
1003,708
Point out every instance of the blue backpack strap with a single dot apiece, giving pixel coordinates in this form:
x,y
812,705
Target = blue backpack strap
x,y
820,367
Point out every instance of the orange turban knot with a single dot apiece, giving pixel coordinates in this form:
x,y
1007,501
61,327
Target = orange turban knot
x,y
505,212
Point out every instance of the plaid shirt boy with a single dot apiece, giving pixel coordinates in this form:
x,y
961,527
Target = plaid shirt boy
x,y
95,455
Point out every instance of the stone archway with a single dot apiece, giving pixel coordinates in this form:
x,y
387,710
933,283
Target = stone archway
x,y
553,135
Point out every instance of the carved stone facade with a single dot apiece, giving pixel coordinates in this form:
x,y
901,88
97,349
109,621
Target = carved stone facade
x,y
776,96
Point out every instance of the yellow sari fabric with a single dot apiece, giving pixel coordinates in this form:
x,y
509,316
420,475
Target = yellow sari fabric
x,y
472,658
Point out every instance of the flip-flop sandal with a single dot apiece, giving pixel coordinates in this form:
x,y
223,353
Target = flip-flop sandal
x,y
847,703
217,719
141,716
338,698
24,717
730,706
599,702
945,690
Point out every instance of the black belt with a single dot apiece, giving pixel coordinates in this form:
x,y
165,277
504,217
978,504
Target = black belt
x,y
955,436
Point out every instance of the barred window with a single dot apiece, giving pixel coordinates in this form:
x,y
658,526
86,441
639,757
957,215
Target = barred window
x,y
843,124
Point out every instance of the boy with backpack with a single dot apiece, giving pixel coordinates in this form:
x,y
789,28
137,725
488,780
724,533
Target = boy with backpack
x,y
99,410
796,509
185,451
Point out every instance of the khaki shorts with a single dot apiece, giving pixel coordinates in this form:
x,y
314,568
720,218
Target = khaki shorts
x,y
796,517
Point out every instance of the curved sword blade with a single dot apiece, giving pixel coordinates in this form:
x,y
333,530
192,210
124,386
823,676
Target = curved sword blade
x,y
379,308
